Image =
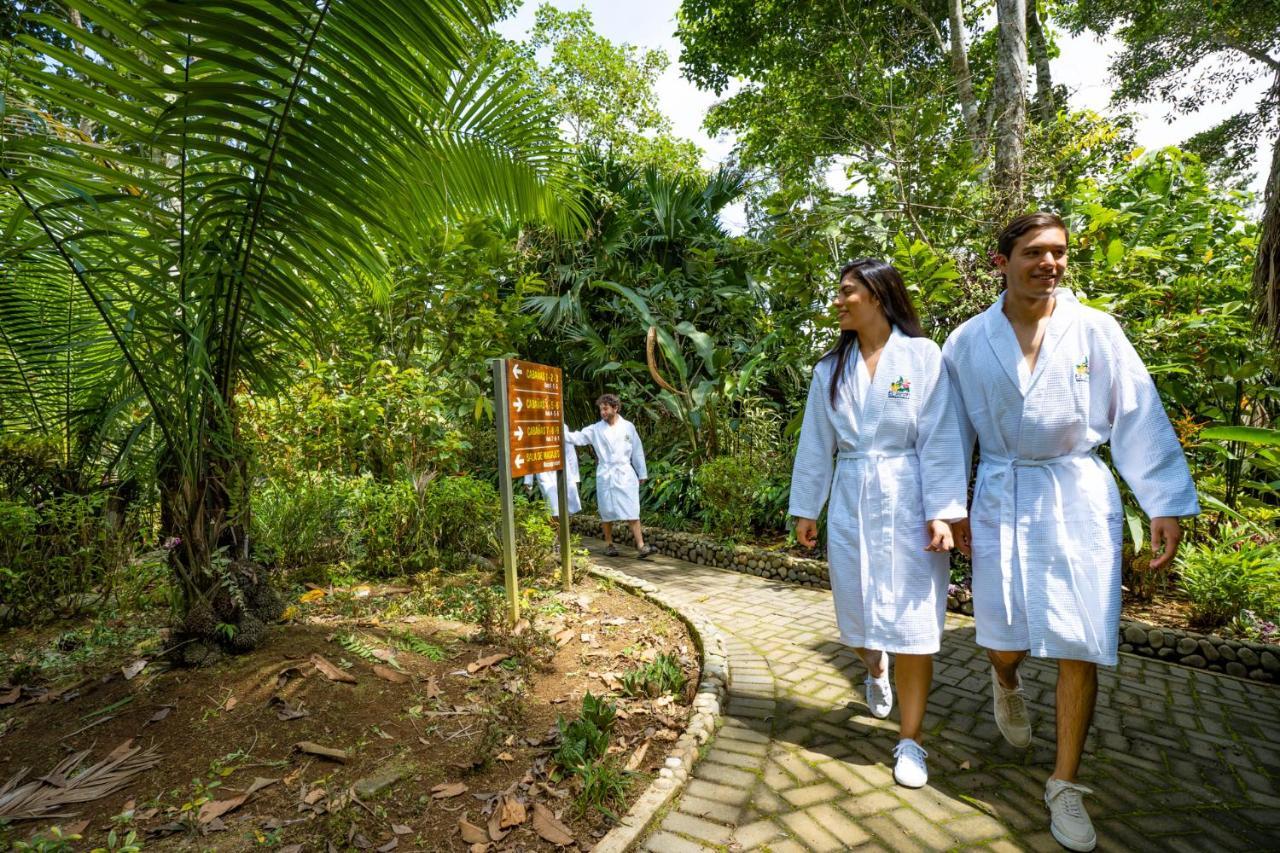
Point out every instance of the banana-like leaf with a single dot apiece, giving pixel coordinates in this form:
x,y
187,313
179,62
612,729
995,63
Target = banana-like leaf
x,y
1244,435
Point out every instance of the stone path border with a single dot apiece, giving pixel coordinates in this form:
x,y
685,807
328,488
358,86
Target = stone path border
x,y
712,688
1240,658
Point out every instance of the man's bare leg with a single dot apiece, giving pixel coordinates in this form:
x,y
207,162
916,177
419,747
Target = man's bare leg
x,y
637,533
607,528
1077,694
1006,664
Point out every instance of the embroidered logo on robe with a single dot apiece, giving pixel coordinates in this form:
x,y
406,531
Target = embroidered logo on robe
x,y
1082,370
900,389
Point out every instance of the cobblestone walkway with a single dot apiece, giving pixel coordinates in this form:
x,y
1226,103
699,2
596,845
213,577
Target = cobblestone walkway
x,y
1179,759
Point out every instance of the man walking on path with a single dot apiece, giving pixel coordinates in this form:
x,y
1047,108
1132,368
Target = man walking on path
x,y
620,470
1042,381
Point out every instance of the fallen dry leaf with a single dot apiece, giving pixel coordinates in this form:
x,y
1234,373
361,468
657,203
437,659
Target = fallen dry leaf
x,y
520,627
479,848
312,748
76,828
217,808
331,672
401,829
311,595
314,796
390,845
283,676
12,696
496,832
286,710
445,790
511,812
964,765
385,655
433,688
230,703
563,637
389,674
471,833
484,663
159,715
505,756
130,671
549,828
258,783
637,757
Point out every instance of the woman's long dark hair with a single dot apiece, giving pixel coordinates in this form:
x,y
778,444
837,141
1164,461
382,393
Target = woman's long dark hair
x,y
886,285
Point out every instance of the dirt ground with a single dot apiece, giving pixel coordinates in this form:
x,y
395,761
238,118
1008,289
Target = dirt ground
x,y
465,738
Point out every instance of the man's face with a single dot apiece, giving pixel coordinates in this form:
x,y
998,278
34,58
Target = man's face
x,y
607,412
1037,263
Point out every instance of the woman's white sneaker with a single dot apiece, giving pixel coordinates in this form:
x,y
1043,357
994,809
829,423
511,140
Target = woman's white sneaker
x,y
880,692
910,770
1068,821
1011,712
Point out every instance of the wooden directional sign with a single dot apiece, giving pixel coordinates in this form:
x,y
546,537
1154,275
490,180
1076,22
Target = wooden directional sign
x,y
534,418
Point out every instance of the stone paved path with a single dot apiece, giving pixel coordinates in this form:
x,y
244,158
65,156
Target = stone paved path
x,y
1179,759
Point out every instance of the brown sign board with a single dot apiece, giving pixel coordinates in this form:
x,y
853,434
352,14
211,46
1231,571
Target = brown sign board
x,y
534,418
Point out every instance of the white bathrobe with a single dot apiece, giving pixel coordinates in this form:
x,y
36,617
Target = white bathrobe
x,y
1046,514
619,467
893,448
546,481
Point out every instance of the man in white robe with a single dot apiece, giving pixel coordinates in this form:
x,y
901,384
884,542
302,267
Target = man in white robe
x,y
1041,382
620,470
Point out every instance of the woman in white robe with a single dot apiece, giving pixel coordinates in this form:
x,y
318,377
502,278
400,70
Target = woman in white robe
x,y
620,469
880,437
546,481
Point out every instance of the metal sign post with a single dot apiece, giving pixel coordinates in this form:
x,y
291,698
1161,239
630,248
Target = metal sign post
x,y
528,411
562,496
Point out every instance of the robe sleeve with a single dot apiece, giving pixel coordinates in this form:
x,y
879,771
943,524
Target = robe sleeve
x,y
815,464
939,445
580,438
637,455
968,435
1144,447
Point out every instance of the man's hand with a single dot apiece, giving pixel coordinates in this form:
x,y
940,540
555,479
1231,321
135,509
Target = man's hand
x,y
940,536
1166,533
963,536
807,532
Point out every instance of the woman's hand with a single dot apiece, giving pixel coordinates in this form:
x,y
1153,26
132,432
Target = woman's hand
x,y
940,539
807,532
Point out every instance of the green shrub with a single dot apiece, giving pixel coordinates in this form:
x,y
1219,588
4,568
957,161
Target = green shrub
x,y
460,517
603,787
1225,578
535,539
727,490
62,547
662,675
585,740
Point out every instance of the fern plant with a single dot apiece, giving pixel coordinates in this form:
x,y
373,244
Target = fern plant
x,y
408,642
357,646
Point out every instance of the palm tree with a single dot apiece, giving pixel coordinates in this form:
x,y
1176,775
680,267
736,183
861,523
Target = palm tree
x,y
239,159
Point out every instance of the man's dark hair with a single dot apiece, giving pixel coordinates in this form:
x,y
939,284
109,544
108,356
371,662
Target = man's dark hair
x,y
1028,222
609,400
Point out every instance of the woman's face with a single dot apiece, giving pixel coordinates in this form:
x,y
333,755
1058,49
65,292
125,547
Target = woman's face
x,y
855,304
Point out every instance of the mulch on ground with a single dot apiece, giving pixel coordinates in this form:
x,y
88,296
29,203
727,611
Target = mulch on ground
x,y
267,750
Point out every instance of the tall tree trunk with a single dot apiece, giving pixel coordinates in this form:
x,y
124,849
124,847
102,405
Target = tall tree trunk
x,y
1046,109
1266,271
964,78
1010,99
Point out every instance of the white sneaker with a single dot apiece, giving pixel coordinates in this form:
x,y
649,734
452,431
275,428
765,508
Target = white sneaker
x,y
1068,821
910,770
1011,712
880,692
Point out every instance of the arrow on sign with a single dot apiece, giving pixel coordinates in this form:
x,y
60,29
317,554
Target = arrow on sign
x,y
518,405
519,460
519,433
515,371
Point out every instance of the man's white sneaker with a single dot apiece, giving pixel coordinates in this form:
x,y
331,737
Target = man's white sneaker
x,y
1068,821
910,770
880,693
1011,712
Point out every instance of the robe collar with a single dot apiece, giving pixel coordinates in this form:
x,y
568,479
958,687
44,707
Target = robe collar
x,y
888,371
1004,343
